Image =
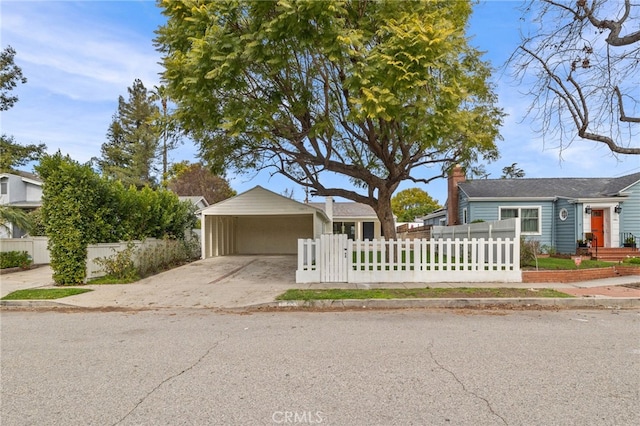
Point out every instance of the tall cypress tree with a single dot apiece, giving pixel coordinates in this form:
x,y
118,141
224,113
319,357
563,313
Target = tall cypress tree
x,y
133,140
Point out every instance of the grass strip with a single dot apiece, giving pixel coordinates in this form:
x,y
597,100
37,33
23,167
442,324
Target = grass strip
x,y
417,293
44,293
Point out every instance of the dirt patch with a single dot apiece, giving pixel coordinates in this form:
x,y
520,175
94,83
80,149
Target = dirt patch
x,y
628,290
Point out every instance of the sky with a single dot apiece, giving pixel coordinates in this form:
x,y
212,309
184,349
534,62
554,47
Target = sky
x,y
80,56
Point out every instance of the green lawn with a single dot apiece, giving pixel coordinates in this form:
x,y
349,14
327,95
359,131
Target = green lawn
x,y
44,293
559,263
416,293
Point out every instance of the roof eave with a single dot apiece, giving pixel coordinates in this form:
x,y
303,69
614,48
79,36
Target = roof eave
x,y
512,198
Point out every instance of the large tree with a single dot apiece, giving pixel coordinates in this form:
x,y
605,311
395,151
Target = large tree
x,y
583,57
10,76
133,139
376,92
12,154
512,172
412,203
168,126
195,179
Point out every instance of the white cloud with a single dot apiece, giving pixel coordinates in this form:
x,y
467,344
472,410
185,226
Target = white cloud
x,y
63,49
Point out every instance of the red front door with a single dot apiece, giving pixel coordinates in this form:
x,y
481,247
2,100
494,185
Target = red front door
x,y
597,228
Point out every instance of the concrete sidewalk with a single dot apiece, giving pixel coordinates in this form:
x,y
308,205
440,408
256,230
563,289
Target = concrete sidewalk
x,y
232,282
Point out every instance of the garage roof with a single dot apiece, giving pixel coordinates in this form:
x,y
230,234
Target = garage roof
x,y
259,201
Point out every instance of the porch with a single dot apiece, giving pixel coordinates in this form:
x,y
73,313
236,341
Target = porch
x,y
612,254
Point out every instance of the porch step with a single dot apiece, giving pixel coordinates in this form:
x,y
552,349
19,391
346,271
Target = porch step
x,y
613,254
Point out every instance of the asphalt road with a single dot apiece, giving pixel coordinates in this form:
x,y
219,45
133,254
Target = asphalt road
x,y
199,367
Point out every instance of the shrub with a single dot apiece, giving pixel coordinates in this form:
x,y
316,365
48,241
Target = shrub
x,y
80,208
154,259
632,260
550,250
120,265
134,263
15,259
529,250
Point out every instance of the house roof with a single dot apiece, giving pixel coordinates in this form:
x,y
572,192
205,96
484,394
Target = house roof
x,y
548,187
436,213
348,210
26,176
195,199
260,202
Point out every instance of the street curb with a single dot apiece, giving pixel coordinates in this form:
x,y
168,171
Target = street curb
x,y
435,303
35,304
572,303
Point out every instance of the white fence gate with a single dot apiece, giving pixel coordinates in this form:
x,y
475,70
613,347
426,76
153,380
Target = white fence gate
x,y
333,258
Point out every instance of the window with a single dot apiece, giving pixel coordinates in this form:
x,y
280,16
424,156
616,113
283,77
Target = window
x,y
465,219
529,218
348,228
563,214
3,187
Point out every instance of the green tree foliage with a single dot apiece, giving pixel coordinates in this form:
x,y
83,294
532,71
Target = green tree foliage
x,y
376,92
76,207
149,213
512,172
79,208
195,179
168,126
10,76
12,216
411,203
13,155
37,223
133,139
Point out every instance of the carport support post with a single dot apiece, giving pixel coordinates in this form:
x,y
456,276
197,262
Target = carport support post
x,y
203,236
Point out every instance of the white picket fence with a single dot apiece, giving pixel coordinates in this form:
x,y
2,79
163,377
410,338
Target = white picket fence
x,y
35,246
334,258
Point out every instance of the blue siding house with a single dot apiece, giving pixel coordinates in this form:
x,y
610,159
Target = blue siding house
x,y
555,211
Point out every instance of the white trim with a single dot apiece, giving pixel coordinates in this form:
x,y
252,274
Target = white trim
x,y
563,214
610,220
519,208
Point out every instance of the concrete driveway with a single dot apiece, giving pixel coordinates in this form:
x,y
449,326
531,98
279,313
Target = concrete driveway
x,y
241,281
228,281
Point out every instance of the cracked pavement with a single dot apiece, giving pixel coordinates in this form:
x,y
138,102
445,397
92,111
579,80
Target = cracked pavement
x,y
201,367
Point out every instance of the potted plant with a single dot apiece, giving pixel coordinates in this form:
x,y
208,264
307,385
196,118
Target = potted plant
x,y
582,243
629,242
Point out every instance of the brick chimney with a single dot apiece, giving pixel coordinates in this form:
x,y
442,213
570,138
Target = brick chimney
x,y
328,209
456,175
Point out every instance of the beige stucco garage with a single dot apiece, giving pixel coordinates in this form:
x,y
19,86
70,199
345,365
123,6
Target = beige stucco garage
x,y
259,222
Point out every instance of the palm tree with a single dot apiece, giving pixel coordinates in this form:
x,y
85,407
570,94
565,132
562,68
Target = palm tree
x,y
168,126
15,216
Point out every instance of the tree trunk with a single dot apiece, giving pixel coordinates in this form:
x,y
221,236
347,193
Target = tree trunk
x,y
385,215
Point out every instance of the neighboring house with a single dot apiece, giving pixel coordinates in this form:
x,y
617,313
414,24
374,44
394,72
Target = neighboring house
x,y
259,221
197,200
20,190
555,211
358,221
436,218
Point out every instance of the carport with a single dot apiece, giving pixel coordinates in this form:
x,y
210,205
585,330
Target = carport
x,y
259,222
